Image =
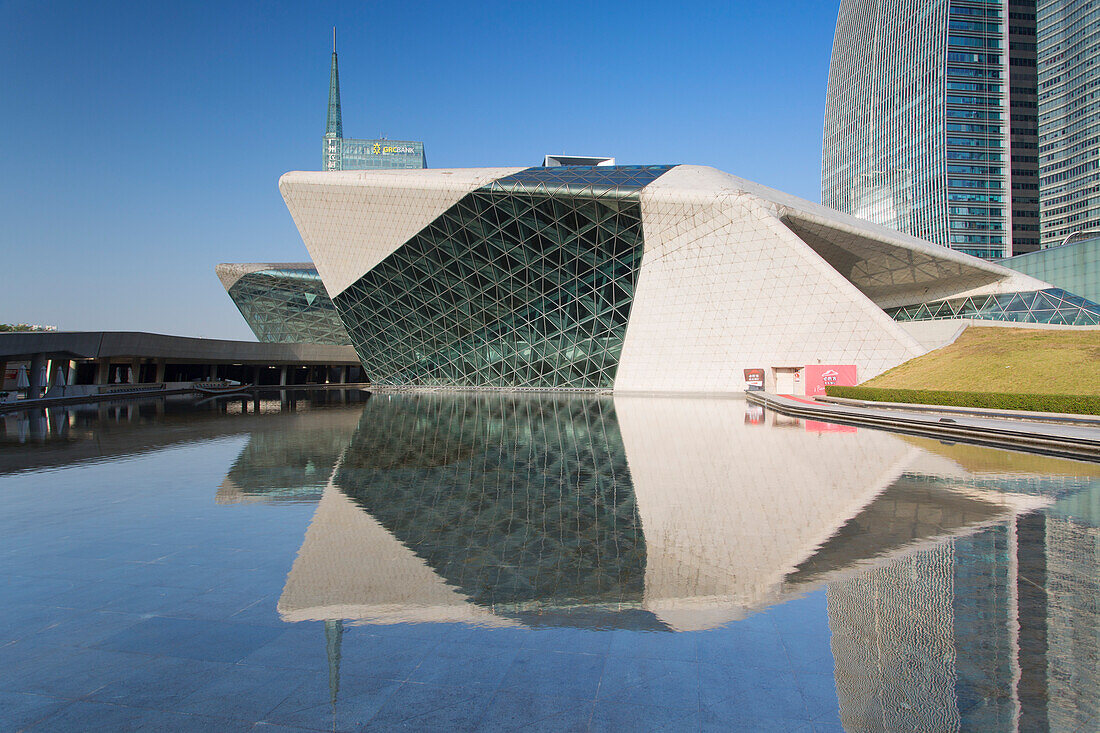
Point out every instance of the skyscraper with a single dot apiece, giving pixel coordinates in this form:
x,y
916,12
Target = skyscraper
x,y
921,128
1068,37
344,154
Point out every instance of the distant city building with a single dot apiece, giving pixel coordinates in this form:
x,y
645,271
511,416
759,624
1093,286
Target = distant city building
x,y
927,112
344,154
1068,37
551,161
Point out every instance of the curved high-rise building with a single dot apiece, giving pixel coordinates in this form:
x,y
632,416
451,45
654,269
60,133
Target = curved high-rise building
x,y
928,102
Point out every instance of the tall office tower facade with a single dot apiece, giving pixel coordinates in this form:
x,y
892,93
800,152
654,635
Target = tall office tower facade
x,y
1023,126
1068,37
918,121
339,153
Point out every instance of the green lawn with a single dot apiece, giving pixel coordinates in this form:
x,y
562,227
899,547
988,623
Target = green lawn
x,y
1005,360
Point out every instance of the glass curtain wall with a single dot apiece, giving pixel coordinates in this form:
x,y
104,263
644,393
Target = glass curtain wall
x,y
288,306
525,282
1069,118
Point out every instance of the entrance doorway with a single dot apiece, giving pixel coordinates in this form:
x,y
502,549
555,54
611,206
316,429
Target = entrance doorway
x,y
788,380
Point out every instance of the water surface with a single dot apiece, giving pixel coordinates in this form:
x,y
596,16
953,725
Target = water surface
x,y
330,560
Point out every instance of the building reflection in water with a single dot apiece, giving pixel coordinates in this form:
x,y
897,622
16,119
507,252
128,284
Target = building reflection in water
x,y
71,435
293,463
961,581
997,630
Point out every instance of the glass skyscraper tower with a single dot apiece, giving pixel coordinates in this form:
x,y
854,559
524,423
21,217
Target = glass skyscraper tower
x,y
339,153
1069,118
929,105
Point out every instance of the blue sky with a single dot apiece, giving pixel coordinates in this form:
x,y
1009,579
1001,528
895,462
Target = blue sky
x,y
142,142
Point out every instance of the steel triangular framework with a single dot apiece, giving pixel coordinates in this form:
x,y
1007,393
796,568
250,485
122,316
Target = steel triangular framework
x,y
525,282
288,306
1053,306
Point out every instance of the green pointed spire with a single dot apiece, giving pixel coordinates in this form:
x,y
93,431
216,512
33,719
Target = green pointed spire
x,y
334,126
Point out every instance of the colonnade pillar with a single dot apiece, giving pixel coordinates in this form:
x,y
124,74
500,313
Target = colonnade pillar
x,y
38,366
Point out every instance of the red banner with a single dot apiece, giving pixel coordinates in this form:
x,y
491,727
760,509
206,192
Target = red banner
x,y
820,376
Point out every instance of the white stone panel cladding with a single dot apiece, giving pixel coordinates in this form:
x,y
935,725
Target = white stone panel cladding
x,y
351,220
724,286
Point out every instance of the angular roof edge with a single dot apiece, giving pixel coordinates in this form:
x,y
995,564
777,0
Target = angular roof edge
x,y
230,272
701,177
407,178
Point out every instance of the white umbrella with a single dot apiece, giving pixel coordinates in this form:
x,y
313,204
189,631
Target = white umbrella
x,y
60,381
118,376
130,375
43,376
21,381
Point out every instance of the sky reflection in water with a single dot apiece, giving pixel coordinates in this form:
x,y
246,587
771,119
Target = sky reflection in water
x,y
486,561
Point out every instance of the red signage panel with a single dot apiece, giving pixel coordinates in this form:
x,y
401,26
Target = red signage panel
x,y
820,376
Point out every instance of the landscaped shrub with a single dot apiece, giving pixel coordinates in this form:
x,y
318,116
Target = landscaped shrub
x,y
1074,404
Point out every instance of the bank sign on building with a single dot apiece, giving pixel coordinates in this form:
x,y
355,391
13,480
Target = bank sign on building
x,y
344,154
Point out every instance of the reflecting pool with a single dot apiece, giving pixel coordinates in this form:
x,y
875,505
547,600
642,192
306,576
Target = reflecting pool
x,y
344,561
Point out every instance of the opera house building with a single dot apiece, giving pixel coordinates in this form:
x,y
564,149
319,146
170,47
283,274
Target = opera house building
x,y
632,278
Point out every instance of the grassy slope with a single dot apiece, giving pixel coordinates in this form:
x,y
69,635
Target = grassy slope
x,y
1022,361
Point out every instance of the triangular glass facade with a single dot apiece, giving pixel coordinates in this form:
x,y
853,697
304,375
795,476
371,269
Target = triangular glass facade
x,y
525,282
288,306
1053,305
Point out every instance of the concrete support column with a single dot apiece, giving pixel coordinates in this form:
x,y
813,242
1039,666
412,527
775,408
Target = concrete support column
x,y
3,372
102,371
159,376
343,375
282,375
255,375
38,364
135,364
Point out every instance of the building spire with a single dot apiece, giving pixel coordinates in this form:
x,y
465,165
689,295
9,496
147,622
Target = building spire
x,y
334,126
